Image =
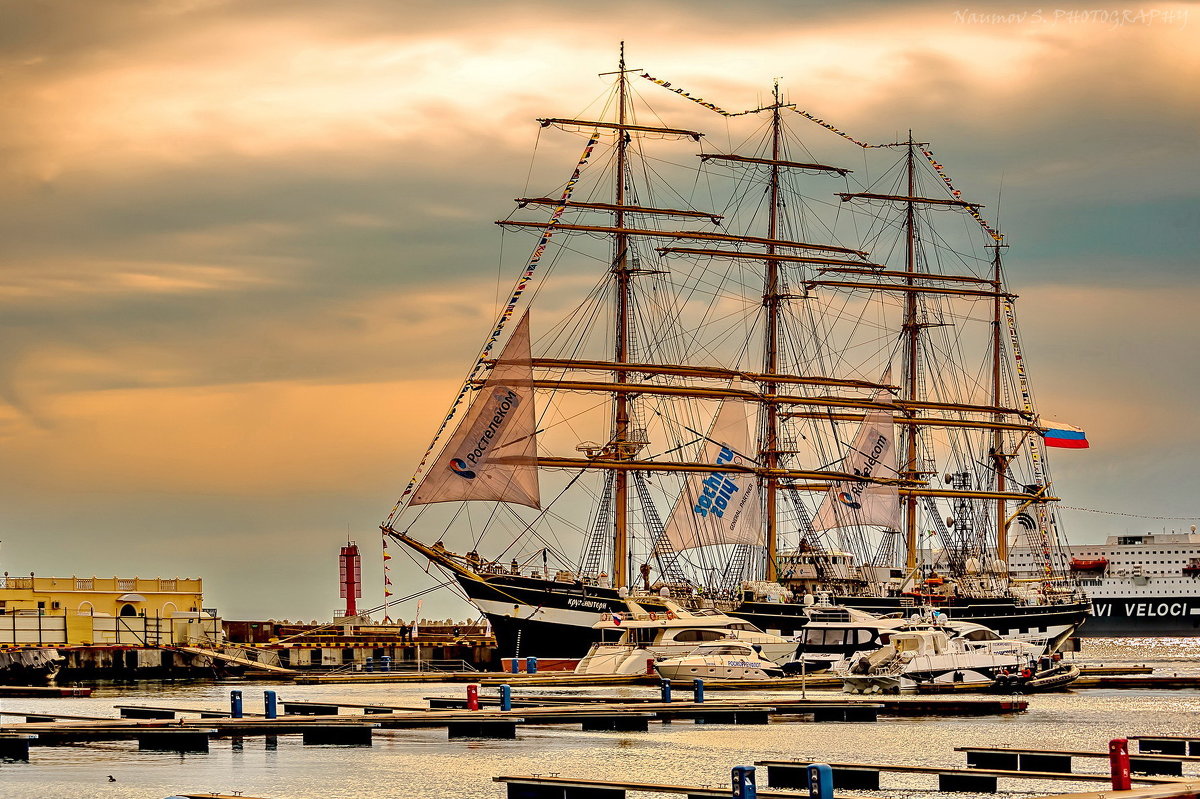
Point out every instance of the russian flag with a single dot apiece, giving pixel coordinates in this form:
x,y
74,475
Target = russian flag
x,y
1065,436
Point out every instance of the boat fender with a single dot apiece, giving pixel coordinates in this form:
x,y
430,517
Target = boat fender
x,y
670,615
1026,673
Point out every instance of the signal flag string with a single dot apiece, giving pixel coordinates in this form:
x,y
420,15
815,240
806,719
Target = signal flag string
x,y
501,321
972,210
1133,515
987,228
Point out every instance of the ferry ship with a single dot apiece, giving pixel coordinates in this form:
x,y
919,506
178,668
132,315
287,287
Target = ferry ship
x,y
1140,584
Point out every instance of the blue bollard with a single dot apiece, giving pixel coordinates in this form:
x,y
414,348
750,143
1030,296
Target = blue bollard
x,y
665,685
369,664
506,697
515,665
385,663
235,704
271,701
744,786
531,665
698,690
820,781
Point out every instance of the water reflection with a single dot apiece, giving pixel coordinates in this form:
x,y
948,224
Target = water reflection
x,y
423,763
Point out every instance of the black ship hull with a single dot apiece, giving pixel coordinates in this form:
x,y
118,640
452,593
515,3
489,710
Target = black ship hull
x,y
544,618
1144,616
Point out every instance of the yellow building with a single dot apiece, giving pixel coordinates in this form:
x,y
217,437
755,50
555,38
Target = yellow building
x,y
101,596
98,610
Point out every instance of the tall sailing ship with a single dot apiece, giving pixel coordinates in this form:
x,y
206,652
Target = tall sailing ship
x,y
781,382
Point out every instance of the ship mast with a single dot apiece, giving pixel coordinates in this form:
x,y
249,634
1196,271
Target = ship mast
x,y
771,301
1000,458
912,334
620,272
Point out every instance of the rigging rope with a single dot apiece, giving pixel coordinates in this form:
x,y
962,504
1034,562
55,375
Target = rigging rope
x,y
1035,452
505,315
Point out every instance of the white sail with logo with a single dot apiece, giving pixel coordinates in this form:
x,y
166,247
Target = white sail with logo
x,y
720,507
872,454
492,456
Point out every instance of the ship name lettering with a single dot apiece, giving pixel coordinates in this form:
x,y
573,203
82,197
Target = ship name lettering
x,y
586,603
1151,610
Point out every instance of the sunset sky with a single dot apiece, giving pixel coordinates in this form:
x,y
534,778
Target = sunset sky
x,y
247,246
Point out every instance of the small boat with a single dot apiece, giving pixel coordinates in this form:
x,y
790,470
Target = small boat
x,y
720,660
1089,564
917,658
631,642
1046,675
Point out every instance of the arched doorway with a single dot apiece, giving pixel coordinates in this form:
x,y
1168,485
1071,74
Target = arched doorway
x,y
128,610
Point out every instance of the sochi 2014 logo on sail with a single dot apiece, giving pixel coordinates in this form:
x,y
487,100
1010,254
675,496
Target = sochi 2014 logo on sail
x,y
717,488
485,433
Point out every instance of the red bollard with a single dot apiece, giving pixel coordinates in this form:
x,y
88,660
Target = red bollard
x,y
1118,759
473,704
650,667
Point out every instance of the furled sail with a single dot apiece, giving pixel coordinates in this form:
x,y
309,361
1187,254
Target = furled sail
x,y
493,453
720,507
872,454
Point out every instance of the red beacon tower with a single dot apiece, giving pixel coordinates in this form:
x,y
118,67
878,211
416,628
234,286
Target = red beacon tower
x,y
351,577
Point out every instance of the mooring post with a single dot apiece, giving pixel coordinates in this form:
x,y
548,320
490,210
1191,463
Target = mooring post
x,y
472,697
506,697
744,786
1118,760
271,702
820,781
698,690
665,685
369,664
235,703
531,665
515,665
385,663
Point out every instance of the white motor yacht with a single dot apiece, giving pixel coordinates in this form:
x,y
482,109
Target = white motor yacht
x,y
632,641
935,656
720,660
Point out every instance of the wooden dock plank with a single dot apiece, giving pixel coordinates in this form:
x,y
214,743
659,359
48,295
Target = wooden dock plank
x,y
1025,775
1073,753
650,787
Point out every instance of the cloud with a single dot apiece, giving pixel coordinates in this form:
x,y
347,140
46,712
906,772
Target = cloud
x,y
248,249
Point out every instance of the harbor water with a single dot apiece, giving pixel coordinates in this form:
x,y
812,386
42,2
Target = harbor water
x,y
424,763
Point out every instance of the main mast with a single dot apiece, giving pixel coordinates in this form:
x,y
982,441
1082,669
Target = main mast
x,y
620,271
771,301
910,472
1000,458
